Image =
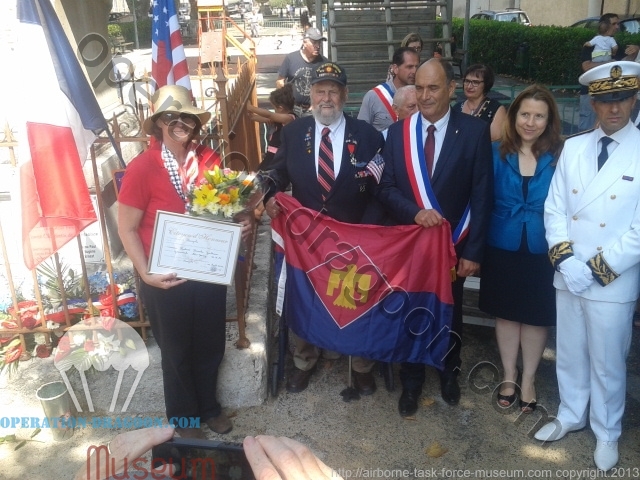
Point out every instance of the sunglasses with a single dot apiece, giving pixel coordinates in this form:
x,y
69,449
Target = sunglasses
x,y
186,118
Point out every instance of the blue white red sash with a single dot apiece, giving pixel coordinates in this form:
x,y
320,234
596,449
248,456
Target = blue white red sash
x,y
416,166
385,94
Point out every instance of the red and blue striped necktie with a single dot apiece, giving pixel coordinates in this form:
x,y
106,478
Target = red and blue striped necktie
x,y
326,175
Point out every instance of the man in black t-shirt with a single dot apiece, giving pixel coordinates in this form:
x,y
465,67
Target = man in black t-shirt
x,y
297,67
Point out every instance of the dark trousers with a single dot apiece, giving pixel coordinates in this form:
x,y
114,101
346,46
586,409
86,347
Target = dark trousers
x,y
188,322
412,375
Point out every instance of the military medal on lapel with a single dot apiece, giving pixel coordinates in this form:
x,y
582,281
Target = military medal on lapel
x,y
307,140
351,147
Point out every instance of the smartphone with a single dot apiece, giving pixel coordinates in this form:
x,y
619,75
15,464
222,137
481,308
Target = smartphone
x,y
198,459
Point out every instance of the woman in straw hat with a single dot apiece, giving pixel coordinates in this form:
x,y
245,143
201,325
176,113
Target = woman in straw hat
x,y
187,317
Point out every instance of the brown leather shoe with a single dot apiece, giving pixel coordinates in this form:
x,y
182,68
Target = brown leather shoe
x,y
190,432
364,382
299,380
220,424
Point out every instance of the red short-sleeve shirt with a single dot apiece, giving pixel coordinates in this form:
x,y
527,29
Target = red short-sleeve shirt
x,y
146,186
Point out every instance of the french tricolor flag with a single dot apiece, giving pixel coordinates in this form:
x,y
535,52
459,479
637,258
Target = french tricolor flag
x,y
60,117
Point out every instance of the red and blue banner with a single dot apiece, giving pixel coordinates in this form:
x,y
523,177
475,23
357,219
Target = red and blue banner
x,y
377,292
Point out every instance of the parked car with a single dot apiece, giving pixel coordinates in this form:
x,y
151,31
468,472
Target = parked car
x,y
629,25
508,15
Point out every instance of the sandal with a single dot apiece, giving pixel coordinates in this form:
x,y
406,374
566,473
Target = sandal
x,y
505,401
528,407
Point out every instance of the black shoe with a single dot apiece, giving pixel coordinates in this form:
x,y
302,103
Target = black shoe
x,y
299,380
408,404
450,389
364,382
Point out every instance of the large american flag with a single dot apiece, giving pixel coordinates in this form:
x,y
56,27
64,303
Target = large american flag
x,y
169,62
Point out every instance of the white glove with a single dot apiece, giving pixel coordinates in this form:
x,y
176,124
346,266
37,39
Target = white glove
x,y
577,275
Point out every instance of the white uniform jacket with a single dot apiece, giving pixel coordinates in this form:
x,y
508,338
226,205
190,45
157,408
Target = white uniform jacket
x,y
595,215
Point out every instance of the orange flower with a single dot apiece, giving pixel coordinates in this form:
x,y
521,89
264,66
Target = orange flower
x,y
225,198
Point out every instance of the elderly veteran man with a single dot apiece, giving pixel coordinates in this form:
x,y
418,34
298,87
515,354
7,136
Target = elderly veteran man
x,y
592,222
377,104
336,188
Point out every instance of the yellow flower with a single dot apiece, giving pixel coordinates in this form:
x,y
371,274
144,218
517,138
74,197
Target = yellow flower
x,y
205,195
234,192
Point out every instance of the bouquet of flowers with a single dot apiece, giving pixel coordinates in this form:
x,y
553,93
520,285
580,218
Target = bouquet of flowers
x,y
223,193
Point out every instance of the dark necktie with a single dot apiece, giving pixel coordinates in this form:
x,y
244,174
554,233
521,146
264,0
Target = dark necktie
x,y
604,153
326,175
430,148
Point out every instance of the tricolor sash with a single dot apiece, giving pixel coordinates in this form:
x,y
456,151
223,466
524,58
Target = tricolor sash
x,y
385,95
416,166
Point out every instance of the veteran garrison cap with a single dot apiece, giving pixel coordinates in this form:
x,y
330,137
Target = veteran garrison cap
x,y
329,71
612,82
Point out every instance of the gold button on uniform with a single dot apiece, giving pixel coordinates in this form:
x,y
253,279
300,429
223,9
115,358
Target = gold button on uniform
x,y
613,197
599,248
575,217
575,190
602,224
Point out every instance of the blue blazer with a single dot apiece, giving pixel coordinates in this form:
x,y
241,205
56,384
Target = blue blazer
x,y
351,199
462,176
511,211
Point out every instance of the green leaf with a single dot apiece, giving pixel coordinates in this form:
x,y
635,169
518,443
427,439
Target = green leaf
x,y
130,343
35,432
20,445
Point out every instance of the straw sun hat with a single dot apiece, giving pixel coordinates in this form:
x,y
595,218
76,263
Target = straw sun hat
x,y
173,98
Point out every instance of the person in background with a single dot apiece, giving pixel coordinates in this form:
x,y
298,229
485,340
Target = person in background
x,y
283,102
587,117
405,104
517,278
604,45
187,317
297,66
477,83
592,223
376,108
413,41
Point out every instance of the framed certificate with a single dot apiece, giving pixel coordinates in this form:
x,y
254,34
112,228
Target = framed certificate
x,y
194,248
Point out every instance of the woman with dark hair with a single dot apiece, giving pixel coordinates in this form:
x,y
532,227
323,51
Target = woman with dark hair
x,y
477,83
187,317
517,278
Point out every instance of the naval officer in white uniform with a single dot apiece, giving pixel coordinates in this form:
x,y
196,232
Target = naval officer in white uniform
x,y
592,222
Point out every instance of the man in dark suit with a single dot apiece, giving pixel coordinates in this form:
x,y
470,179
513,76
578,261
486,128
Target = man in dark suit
x,y
341,189
438,165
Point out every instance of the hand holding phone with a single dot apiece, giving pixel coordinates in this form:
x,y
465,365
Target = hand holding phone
x,y
281,457
198,459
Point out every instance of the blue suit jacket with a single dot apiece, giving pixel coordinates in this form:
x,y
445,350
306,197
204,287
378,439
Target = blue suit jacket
x,y
351,199
463,175
511,211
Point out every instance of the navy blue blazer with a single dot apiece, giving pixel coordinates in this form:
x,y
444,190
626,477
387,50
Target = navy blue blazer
x,y
351,199
463,175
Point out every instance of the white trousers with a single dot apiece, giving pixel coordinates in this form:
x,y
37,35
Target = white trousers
x,y
593,340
